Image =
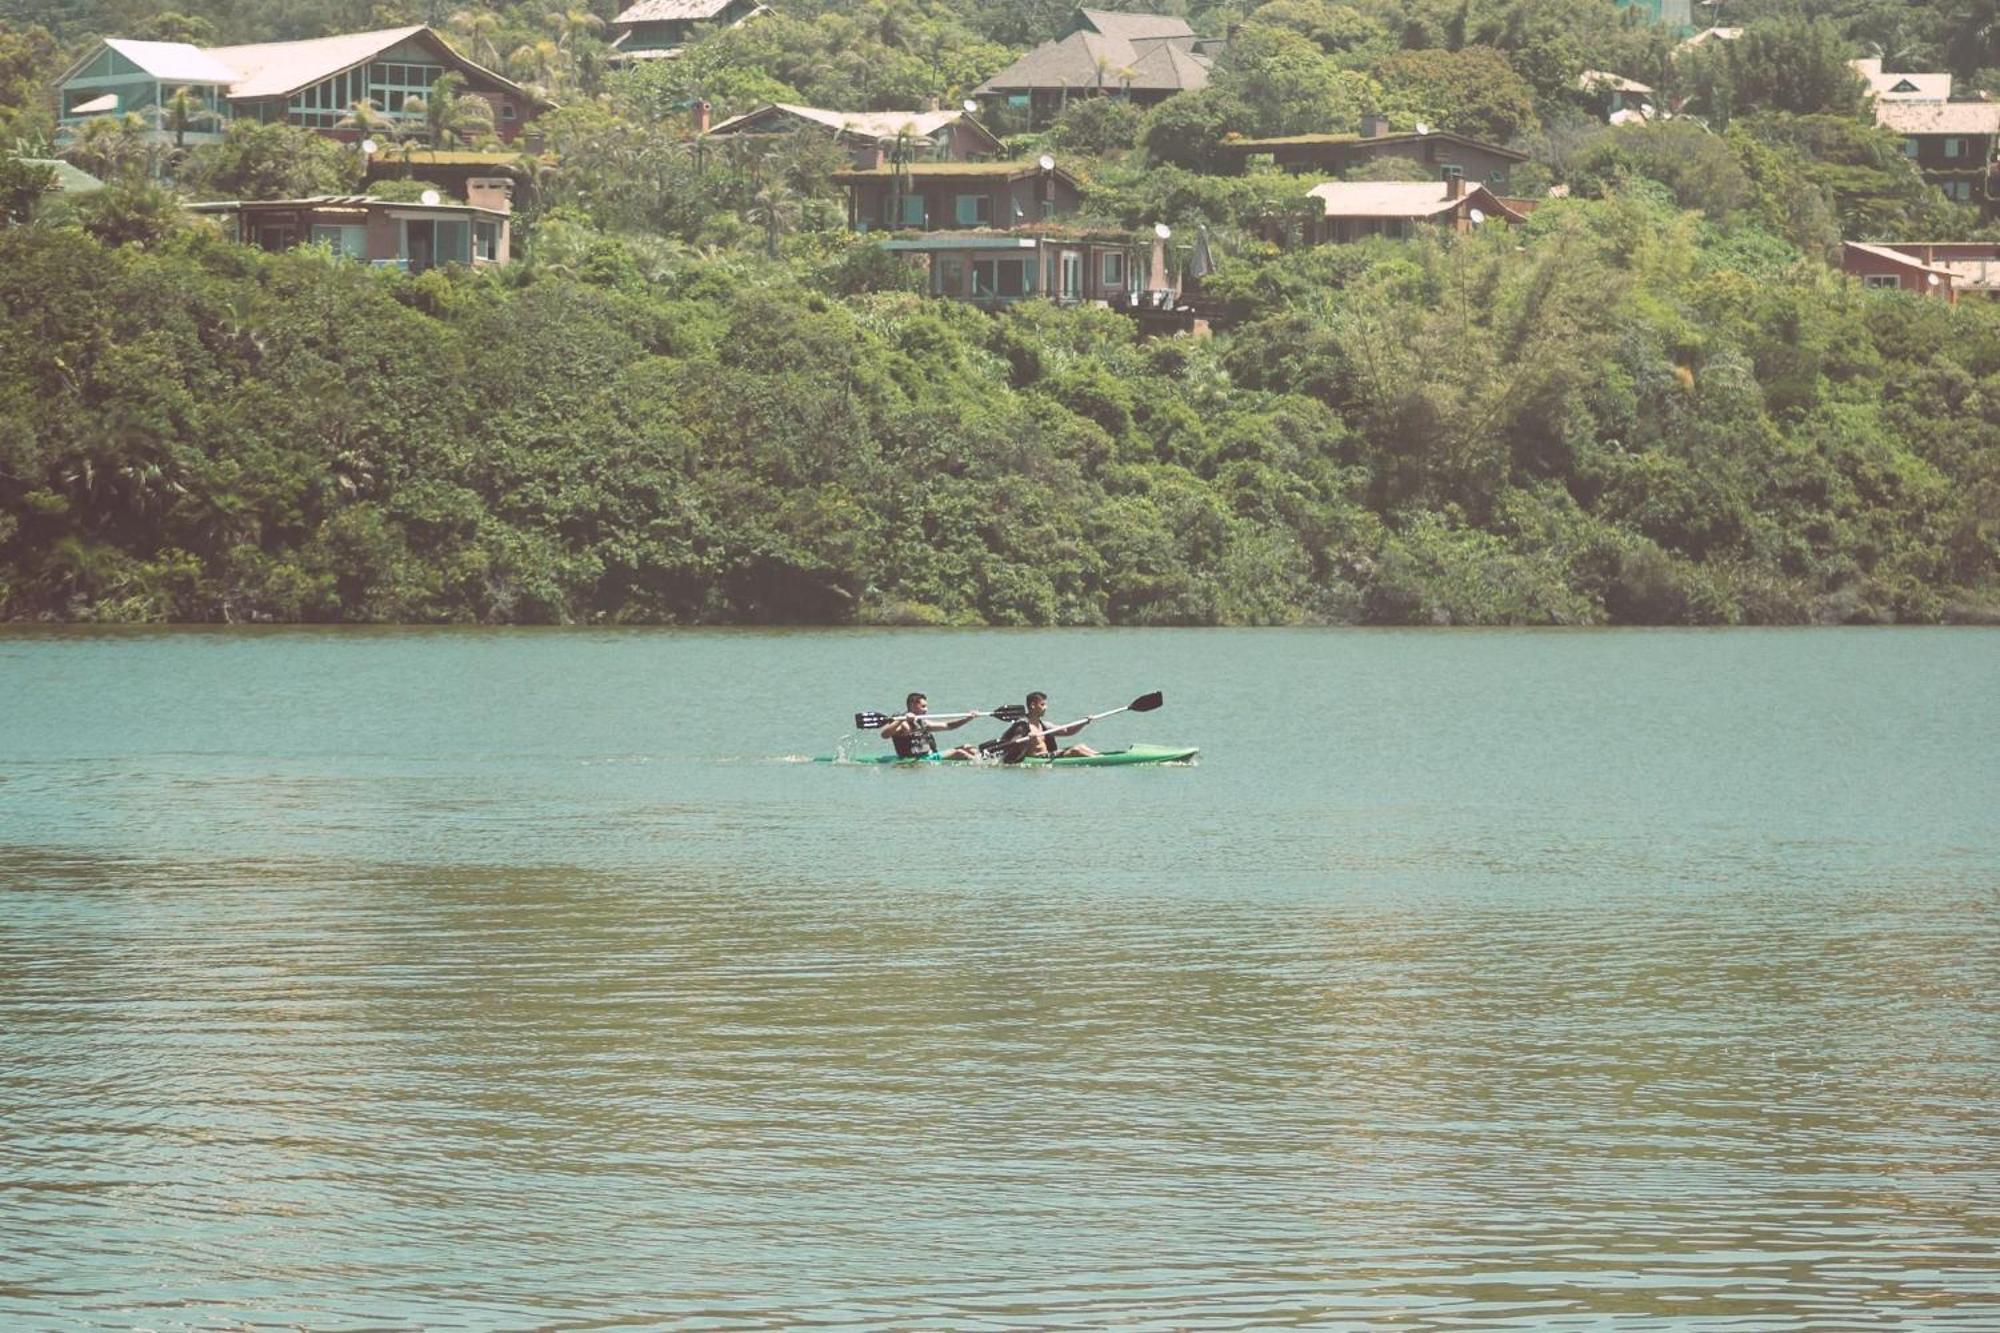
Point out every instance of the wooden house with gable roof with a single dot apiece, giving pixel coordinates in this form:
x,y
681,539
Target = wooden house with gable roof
x,y
659,29
313,84
1145,57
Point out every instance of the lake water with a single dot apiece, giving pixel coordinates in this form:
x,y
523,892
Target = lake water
x,y
473,980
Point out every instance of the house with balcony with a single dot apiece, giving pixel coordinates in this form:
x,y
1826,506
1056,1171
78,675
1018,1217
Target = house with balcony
x,y
313,84
954,196
659,29
1356,210
994,233
1951,143
1438,152
871,139
1144,57
411,237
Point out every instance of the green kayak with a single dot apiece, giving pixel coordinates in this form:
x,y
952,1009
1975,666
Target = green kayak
x,y
1137,754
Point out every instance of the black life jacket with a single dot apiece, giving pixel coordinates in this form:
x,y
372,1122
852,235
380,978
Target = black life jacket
x,y
916,742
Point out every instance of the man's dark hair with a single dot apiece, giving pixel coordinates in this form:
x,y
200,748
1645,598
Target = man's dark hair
x,y
1036,696
910,699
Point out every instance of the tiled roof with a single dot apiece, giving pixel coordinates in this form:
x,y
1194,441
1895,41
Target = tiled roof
x,y
1920,87
174,62
1133,27
1939,117
1593,80
869,124
670,11
271,69
68,179
1399,199
1085,60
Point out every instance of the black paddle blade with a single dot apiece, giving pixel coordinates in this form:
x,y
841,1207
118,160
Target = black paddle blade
x,y
870,721
1010,712
1146,703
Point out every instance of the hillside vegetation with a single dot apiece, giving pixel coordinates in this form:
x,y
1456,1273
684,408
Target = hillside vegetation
x,y
698,399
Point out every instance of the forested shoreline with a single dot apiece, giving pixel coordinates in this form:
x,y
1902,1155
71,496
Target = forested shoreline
x,y
699,400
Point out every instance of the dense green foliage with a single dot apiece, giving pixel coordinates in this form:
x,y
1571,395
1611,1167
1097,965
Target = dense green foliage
x,y
698,399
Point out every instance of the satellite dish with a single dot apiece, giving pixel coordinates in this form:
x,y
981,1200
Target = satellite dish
x,y
1045,162
1423,128
1163,231
969,105
1933,279
1476,216
429,198
368,145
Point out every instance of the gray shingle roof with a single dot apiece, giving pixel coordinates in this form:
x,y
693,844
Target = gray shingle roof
x,y
670,11
1089,60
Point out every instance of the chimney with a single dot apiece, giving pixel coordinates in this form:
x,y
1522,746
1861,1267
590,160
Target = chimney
x,y
1374,125
701,110
494,192
1454,185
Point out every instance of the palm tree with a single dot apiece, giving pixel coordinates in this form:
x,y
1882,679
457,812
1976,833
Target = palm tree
x,y
478,27
184,111
108,145
902,153
776,209
368,120
450,116
567,24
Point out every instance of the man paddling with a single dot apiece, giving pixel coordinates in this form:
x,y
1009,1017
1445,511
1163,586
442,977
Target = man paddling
x,y
912,731
1033,737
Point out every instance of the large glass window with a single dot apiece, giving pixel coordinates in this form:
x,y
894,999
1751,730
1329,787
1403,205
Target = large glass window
x,y
1114,270
349,241
454,242
1005,278
950,275
1954,147
486,241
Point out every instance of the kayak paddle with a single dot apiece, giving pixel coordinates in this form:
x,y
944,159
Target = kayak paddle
x,y
1005,713
1145,703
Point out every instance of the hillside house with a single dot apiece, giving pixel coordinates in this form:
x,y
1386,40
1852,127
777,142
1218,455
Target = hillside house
x,y
1902,87
1144,57
312,84
958,196
658,29
1070,266
871,138
1941,269
1615,98
1356,210
412,237
1440,154
1952,144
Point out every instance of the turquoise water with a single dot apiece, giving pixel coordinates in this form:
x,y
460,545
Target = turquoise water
x,y
467,979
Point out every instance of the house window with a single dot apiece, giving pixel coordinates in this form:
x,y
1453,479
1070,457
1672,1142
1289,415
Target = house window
x,y
1909,147
1072,276
454,242
349,241
950,274
486,241
1959,190
1888,280
1005,278
1454,171
506,111
1114,271
1954,148
913,210
974,210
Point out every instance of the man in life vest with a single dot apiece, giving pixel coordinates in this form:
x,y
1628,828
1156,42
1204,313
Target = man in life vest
x,y
912,736
1033,737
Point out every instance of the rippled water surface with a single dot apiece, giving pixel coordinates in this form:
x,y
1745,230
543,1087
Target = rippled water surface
x,y
1470,980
